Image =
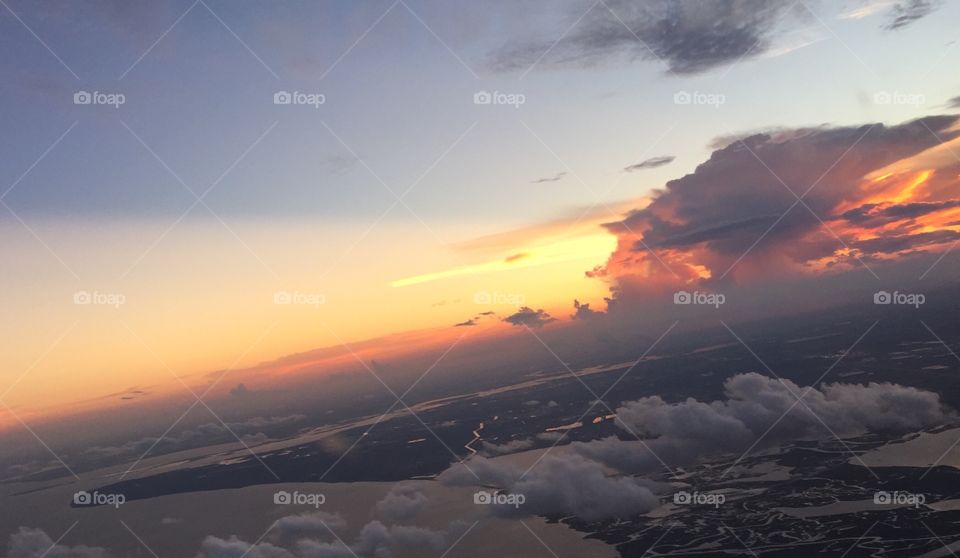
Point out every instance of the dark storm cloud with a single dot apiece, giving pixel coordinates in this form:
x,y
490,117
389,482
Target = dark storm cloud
x,y
904,13
690,37
651,163
529,317
897,243
715,215
754,225
876,215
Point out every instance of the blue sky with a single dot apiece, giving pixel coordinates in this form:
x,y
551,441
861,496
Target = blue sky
x,y
399,99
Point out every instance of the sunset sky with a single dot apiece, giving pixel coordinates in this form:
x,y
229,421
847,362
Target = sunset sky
x,y
399,205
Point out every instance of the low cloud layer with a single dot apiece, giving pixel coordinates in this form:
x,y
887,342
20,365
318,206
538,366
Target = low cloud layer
x,y
559,485
402,503
34,543
759,412
375,540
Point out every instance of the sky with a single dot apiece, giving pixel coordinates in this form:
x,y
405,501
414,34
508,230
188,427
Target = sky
x,y
195,225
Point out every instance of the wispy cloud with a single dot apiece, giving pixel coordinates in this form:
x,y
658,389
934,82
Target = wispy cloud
x,y
651,163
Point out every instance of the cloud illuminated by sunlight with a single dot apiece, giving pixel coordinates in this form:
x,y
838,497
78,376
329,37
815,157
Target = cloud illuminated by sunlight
x,y
595,246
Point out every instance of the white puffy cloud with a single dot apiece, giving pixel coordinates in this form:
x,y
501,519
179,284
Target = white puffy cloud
x,y
34,543
402,503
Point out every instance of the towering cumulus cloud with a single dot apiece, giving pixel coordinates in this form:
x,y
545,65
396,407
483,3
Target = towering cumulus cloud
x,y
738,216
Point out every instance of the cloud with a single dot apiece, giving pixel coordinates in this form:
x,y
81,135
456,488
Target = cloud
x,y
239,390
690,37
513,446
470,322
295,527
651,163
233,547
577,486
402,503
558,485
731,213
908,11
529,317
31,543
375,540
583,311
759,411
954,102
555,178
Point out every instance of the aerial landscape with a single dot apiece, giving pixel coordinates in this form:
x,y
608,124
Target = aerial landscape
x,y
421,278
